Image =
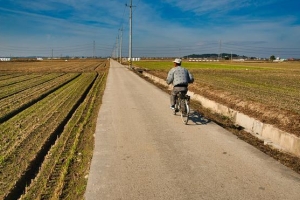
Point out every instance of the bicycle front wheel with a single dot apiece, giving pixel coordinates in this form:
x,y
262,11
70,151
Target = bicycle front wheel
x,y
185,111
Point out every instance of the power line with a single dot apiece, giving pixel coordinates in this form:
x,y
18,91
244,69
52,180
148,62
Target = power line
x,y
59,50
153,50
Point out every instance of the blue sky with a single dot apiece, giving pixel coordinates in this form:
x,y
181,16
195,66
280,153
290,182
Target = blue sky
x,y
172,28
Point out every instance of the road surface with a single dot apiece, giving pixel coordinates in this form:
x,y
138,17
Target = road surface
x,y
142,151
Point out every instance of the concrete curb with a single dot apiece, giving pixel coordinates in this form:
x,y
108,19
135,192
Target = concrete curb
x,y
269,134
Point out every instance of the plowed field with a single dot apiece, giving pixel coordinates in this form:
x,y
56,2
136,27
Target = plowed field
x,y
47,120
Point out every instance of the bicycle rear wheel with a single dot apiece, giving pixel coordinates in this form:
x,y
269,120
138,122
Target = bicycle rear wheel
x,y
184,111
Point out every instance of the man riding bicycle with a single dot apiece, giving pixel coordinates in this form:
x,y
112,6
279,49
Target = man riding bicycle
x,y
180,78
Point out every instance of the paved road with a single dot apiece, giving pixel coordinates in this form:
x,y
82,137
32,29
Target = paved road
x,y
142,151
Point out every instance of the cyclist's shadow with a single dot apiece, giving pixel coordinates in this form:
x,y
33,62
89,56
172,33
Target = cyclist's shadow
x,y
197,118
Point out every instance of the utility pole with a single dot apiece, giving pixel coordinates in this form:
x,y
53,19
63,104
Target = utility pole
x,y
121,38
130,34
94,49
221,49
117,48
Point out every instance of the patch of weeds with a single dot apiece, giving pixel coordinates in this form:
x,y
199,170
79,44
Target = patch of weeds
x,y
2,160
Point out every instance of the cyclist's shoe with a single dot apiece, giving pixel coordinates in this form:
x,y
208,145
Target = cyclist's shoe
x,y
172,107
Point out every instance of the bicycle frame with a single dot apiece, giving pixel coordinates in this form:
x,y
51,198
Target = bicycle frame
x,y
182,106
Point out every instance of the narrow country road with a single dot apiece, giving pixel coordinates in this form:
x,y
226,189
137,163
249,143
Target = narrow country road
x,y
142,151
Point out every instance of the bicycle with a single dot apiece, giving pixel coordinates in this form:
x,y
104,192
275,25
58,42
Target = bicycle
x,y
183,106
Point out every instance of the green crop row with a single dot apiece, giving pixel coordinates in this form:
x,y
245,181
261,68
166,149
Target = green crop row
x,y
15,103
17,127
50,182
9,78
25,135
24,85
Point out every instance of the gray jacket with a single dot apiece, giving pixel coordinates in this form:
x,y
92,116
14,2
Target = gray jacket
x,y
179,76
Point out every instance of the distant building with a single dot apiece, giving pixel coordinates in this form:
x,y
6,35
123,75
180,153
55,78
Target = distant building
x,y
238,60
4,59
134,59
278,59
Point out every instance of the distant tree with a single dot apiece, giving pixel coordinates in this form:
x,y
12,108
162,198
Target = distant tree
x,y
272,58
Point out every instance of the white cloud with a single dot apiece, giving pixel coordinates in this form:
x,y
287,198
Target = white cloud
x,y
208,6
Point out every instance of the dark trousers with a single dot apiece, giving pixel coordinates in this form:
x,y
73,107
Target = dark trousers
x,y
175,91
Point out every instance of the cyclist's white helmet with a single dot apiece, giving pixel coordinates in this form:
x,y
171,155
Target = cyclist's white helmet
x,y
177,60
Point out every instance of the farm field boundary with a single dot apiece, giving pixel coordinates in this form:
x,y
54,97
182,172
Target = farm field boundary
x,y
270,134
